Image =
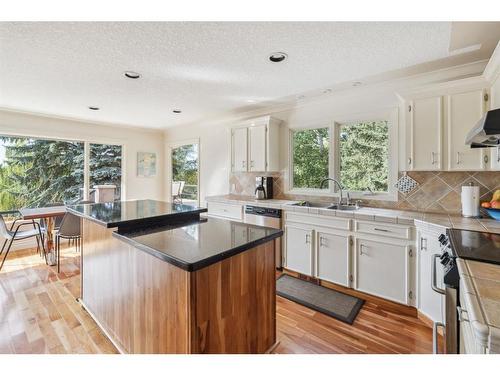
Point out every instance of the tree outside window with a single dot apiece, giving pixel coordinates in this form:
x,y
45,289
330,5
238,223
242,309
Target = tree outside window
x,y
364,156
310,157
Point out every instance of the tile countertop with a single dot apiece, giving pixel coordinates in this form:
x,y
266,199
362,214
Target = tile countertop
x,y
373,214
481,282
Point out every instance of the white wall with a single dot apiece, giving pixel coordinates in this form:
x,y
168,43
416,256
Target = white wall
x,y
214,156
132,139
214,136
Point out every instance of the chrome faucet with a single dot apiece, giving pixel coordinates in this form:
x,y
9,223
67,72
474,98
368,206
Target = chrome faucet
x,y
338,184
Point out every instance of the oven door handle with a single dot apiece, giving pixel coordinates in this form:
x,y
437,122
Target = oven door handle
x,y
434,275
435,336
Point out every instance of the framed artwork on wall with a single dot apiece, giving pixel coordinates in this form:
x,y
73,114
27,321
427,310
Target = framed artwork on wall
x,y
146,164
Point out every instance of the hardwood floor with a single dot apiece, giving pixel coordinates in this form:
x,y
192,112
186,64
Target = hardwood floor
x,y
39,314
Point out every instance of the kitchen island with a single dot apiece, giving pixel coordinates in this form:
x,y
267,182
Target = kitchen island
x,y
158,278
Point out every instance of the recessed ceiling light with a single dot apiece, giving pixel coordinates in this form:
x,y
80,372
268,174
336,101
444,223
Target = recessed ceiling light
x,y
278,56
251,100
93,108
327,91
132,75
177,111
357,83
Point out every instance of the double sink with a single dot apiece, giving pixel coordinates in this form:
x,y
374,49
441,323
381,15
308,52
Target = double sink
x,y
341,207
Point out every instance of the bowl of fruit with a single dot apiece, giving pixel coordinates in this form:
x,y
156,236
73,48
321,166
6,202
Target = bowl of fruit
x,y
493,207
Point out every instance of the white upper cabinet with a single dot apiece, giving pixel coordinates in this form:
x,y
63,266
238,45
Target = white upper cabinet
x,y
425,144
495,159
464,110
437,121
239,149
255,146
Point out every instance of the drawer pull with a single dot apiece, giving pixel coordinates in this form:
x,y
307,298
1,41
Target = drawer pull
x,y
381,230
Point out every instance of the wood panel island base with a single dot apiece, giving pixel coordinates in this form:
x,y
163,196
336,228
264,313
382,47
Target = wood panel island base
x,y
195,286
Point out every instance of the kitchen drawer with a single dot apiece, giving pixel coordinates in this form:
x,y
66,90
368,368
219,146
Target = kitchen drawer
x,y
225,210
387,230
321,220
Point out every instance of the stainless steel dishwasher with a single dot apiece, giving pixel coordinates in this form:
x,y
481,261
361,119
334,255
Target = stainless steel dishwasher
x,y
266,217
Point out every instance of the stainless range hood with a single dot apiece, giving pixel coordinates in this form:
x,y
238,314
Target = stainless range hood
x,y
486,132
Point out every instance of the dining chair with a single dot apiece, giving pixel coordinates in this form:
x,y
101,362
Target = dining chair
x,y
13,224
70,230
10,236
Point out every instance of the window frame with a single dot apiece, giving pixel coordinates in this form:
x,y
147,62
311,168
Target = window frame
x,y
390,116
86,162
169,148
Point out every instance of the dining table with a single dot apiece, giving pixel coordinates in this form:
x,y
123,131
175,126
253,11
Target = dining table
x,y
49,215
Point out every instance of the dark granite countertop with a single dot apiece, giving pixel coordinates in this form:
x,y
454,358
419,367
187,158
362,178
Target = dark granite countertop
x,y
198,244
135,213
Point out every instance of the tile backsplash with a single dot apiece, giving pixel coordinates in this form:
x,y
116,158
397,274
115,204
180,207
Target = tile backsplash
x,y
436,192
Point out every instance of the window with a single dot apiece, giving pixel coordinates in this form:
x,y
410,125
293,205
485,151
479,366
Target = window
x,y
310,158
184,161
35,172
106,166
364,156
360,155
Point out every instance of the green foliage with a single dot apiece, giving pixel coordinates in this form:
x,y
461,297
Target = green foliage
x,y
37,172
363,151
185,168
105,165
364,156
310,157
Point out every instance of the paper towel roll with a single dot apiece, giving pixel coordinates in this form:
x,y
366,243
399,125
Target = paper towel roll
x,y
470,201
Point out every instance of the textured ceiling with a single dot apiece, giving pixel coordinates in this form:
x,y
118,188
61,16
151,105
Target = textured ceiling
x,y
201,68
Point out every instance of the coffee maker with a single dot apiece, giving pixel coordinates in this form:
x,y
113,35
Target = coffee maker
x,y
263,187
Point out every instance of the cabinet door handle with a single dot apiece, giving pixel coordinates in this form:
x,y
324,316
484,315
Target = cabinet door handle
x,y
434,275
361,252
498,154
435,336
321,241
422,247
308,238
409,160
251,164
460,316
433,158
458,157
243,163
381,230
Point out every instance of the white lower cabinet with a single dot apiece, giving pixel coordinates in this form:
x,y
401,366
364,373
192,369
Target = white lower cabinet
x,y
299,249
332,258
353,256
381,269
430,302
